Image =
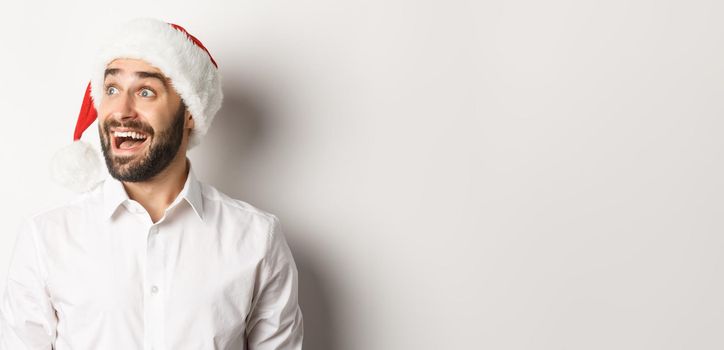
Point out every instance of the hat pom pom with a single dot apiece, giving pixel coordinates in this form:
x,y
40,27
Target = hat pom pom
x,y
77,167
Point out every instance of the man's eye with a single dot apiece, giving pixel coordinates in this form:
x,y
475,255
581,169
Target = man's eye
x,y
111,90
147,93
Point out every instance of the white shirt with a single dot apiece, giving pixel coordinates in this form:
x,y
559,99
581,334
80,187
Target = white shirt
x,y
97,273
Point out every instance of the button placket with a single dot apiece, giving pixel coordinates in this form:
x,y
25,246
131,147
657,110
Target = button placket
x,y
154,281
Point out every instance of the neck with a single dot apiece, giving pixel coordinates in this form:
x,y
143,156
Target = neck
x,y
157,194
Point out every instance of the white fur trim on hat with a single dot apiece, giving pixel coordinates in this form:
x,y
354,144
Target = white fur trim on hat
x,y
190,68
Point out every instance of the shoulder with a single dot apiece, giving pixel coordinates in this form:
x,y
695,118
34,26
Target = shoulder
x,y
229,210
54,223
84,205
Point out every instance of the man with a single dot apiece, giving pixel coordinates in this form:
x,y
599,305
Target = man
x,y
150,258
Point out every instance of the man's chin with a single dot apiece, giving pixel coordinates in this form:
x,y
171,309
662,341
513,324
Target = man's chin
x,y
126,175
122,162
125,164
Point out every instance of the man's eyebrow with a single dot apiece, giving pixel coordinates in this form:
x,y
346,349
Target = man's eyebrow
x,y
142,75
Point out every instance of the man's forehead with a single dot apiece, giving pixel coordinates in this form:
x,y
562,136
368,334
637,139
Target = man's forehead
x,y
138,67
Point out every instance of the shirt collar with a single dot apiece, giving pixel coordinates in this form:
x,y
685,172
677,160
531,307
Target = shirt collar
x,y
114,194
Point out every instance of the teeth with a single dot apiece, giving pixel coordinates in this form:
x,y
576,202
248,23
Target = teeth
x,y
131,134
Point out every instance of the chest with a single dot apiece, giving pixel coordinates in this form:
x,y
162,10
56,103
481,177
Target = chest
x,y
185,275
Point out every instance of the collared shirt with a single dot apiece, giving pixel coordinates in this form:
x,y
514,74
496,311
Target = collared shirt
x,y
97,273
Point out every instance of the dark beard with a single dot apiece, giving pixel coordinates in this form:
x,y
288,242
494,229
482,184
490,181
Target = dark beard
x,y
164,147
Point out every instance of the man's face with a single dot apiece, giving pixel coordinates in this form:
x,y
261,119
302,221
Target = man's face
x,y
142,121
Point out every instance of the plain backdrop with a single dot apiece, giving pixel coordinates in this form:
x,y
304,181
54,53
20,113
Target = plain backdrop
x,y
512,174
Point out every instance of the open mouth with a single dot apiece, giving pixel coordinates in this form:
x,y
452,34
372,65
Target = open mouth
x,y
125,141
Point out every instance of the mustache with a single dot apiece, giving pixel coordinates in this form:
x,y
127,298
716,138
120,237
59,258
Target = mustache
x,y
131,124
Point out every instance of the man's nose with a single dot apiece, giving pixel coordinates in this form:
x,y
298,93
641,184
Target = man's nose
x,y
125,107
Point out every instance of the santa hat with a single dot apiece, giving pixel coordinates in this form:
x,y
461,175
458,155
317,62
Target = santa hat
x,y
169,47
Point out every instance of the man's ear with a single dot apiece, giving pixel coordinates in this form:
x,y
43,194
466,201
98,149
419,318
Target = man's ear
x,y
190,120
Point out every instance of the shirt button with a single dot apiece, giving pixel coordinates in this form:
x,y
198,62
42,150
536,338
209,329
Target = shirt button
x,y
154,289
154,230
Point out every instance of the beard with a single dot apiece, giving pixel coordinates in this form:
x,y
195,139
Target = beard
x,y
163,147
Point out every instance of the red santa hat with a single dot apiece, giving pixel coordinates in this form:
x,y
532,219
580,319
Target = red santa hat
x,y
166,46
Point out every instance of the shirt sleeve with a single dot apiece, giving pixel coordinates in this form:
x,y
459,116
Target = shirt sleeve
x,y
27,317
275,320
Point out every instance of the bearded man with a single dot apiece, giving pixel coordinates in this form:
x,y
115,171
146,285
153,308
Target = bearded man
x,y
149,258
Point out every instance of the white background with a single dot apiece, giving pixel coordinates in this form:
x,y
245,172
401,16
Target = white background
x,y
450,174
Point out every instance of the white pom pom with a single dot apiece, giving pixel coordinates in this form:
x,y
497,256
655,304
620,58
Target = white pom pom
x,y
77,167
